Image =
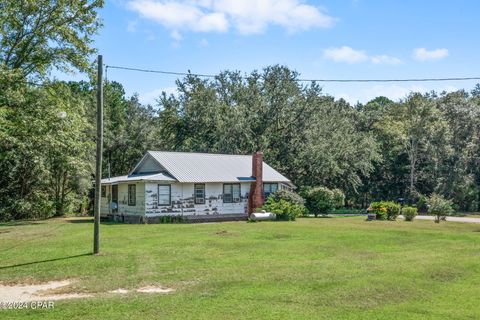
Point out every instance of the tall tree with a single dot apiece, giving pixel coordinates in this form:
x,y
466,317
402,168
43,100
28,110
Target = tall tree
x,y
36,36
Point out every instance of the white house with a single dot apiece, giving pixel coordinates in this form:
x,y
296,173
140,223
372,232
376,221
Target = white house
x,y
198,186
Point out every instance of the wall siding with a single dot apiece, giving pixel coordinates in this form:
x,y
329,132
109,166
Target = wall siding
x,y
183,201
123,208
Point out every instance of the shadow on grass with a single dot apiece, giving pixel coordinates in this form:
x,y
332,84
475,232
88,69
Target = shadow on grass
x,y
317,217
90,220
21,223
79,220
44,261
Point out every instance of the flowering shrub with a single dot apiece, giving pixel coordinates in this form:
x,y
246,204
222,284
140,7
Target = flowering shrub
x,y
393,210
385,210
379,209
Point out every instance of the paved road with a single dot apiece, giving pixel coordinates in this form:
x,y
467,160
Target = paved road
x,y
453,219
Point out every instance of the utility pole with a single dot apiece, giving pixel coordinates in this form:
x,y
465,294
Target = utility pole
x,y
98,162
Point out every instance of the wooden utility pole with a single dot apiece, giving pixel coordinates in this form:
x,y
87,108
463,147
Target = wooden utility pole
x,y
98,162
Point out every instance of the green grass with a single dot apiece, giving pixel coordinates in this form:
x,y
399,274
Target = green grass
x,y
338,268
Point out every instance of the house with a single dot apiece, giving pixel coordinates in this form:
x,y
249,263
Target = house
x,y
198,186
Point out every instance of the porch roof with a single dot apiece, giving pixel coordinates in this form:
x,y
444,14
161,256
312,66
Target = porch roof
x,y
139,177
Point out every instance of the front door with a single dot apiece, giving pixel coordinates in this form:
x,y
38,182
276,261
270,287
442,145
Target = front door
x,y
114,204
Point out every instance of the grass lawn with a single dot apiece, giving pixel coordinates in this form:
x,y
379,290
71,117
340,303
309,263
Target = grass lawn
x,y
335,268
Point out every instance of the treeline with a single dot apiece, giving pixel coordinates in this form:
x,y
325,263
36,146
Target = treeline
x,y
382,150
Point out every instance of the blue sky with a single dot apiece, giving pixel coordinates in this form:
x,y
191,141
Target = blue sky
x,y
320,39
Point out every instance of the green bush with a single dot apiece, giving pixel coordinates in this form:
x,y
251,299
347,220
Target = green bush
x,y
439,206
171,219
409,213
393,210
321,200
288,196
379,209
385,210
285,211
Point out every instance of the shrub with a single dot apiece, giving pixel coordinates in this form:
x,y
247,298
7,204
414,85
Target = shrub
x,y
439,206
288,196
409,213
171,219
379,209
284,210
393,210
338,198
320,200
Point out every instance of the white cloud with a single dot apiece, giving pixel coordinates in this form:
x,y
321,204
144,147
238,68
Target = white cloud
x,y
350,55
345,54
179,15
150,97
385,59
246,16
422,54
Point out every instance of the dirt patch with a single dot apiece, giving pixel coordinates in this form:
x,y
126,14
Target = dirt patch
x,y
59,290
119,291
38,292
153,289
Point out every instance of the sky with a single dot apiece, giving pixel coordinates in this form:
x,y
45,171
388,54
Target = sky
x,y
321,39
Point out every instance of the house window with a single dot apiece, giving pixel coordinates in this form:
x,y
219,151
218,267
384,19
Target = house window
x,y
164,194
269,188
104,191
131,194
231,192
199,193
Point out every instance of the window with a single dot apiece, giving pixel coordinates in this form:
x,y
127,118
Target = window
x,y
131,194
269,188
231,192
164,194
104,191
199,193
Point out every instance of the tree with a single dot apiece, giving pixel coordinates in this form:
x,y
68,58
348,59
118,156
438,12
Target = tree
x,y
45,151
458,167
320,200
36,36
423,134
439,206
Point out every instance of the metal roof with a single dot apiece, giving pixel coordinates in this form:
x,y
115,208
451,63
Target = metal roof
x,y
209,167
139,177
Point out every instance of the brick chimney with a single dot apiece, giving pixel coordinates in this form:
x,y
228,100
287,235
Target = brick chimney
x,y
256,198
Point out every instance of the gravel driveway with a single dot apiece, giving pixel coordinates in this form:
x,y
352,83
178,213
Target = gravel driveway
x,y
452,219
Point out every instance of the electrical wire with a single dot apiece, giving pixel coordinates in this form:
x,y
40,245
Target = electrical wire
x,y
299,80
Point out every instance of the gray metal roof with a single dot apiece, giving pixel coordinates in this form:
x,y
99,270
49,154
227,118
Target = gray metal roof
x,y
209,167
139,177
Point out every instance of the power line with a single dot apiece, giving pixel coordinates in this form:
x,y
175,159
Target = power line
x,y
300,80
163,72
